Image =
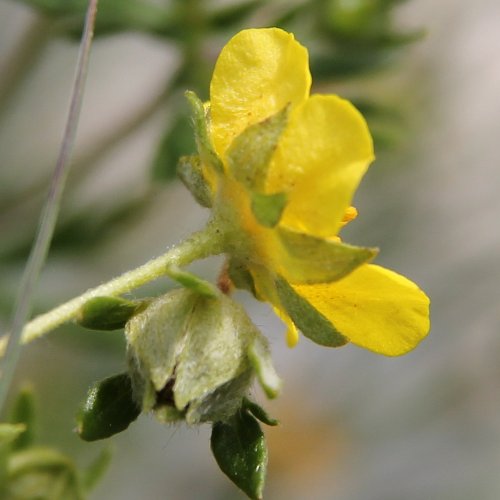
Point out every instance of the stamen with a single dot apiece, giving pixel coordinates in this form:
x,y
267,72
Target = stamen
x,y
350,214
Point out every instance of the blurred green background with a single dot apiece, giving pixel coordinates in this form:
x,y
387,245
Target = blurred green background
x,y
354,426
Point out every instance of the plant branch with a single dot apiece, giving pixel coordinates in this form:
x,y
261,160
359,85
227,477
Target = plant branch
x,y
200,245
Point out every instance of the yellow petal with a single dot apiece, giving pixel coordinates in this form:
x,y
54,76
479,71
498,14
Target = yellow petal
x,y
257,74
374,308
320,160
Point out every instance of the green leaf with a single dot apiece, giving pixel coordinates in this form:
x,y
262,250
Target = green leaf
x,y
250,153
192,281
95,471
239,447
190,172
177,141
108,313
203,141
259,413
23,413
308,320
110,408
268,208
260,358
315,260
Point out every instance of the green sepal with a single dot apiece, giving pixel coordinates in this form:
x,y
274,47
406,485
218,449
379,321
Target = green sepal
x,y
214,358
308,320
201,129
188,356
23,412
250,153
311,260
240,275
268,208
110,408
192,281
167,414
221,403
154,340
259,413
239,447
190,172
108,313
260,358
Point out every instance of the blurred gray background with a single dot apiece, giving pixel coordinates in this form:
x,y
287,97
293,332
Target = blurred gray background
x,y
354,426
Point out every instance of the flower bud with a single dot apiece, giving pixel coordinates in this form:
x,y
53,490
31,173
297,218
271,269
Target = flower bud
x,y
192,357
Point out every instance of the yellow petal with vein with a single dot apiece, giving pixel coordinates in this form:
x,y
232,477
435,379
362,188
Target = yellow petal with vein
x,y
374,308
320,160
257,74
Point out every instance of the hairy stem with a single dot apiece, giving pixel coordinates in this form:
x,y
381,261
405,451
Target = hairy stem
x,y
200,245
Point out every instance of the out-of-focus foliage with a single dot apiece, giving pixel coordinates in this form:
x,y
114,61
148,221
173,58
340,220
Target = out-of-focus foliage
x,y
114,15
352,37
165,19
28,470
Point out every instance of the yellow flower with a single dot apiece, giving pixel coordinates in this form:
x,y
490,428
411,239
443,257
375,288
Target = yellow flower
x,y
283,167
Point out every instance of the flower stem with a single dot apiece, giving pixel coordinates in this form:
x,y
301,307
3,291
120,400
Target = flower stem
x,y
200,245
